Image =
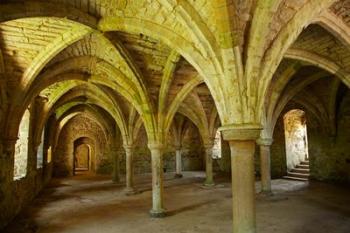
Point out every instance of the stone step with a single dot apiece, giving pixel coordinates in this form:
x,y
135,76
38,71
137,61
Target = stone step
x,y
299,175
305,163
294,178
301,170
303,166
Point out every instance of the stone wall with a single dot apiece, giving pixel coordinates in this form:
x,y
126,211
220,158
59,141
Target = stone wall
x,y
14,194
223,164
77,128
21,148
192,153
278,151
82,156
330,155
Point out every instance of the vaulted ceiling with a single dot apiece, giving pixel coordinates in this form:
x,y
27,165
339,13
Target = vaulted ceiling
x,y
142,62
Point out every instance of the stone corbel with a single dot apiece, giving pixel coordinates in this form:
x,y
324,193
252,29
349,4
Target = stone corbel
x,y
40,102
41,99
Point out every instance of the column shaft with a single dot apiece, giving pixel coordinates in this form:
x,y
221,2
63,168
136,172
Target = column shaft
x,y
130,189
243,186
157,181
116,168
178,163
265,164
209,181
265,168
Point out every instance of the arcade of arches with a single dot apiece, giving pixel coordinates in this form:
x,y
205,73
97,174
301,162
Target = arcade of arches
x,y
195,92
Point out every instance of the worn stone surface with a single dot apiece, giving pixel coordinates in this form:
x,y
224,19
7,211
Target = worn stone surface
x,y
134,73
95,204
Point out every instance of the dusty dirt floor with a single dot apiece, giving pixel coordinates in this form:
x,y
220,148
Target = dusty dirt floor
x,y
92,204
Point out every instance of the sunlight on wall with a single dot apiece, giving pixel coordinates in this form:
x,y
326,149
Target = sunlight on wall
x,y
40,153
49,155
217,146
296,137
21,150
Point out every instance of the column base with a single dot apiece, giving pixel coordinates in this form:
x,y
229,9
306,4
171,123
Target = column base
x,y
157,213
178,176
266,193
131,191
208,184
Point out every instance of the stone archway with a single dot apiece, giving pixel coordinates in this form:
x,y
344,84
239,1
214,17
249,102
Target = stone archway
x,y
83,156
296,137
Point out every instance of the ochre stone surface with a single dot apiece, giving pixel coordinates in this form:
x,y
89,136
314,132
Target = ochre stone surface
x,y
119,74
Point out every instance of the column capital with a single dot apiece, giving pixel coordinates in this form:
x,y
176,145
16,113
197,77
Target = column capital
x,y
208,145
41,99
264,141
155,146
128,146
240,132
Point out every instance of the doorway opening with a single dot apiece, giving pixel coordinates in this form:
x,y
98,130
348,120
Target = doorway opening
x,y
82,163
297,155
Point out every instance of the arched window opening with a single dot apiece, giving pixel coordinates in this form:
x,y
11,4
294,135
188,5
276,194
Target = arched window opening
x,y
295,138
49,155
21,149
217,146
40,153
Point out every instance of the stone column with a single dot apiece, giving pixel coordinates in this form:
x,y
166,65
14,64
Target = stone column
x,y
37,115
157,210
178,173
265,164
129,178
7,153
7,159
209,181
242,144
116,170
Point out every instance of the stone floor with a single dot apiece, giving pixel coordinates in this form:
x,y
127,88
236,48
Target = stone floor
x,y
94,205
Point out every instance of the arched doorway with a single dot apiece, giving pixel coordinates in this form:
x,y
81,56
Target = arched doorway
x,y
297,155
82,157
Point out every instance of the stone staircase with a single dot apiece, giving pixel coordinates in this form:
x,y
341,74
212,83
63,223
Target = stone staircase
x,y
300,173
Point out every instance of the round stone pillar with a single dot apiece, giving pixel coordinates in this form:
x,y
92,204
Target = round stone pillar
x,y
178,160
265,164
242,139
157,210
116,166
7,159
209,180
129,179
